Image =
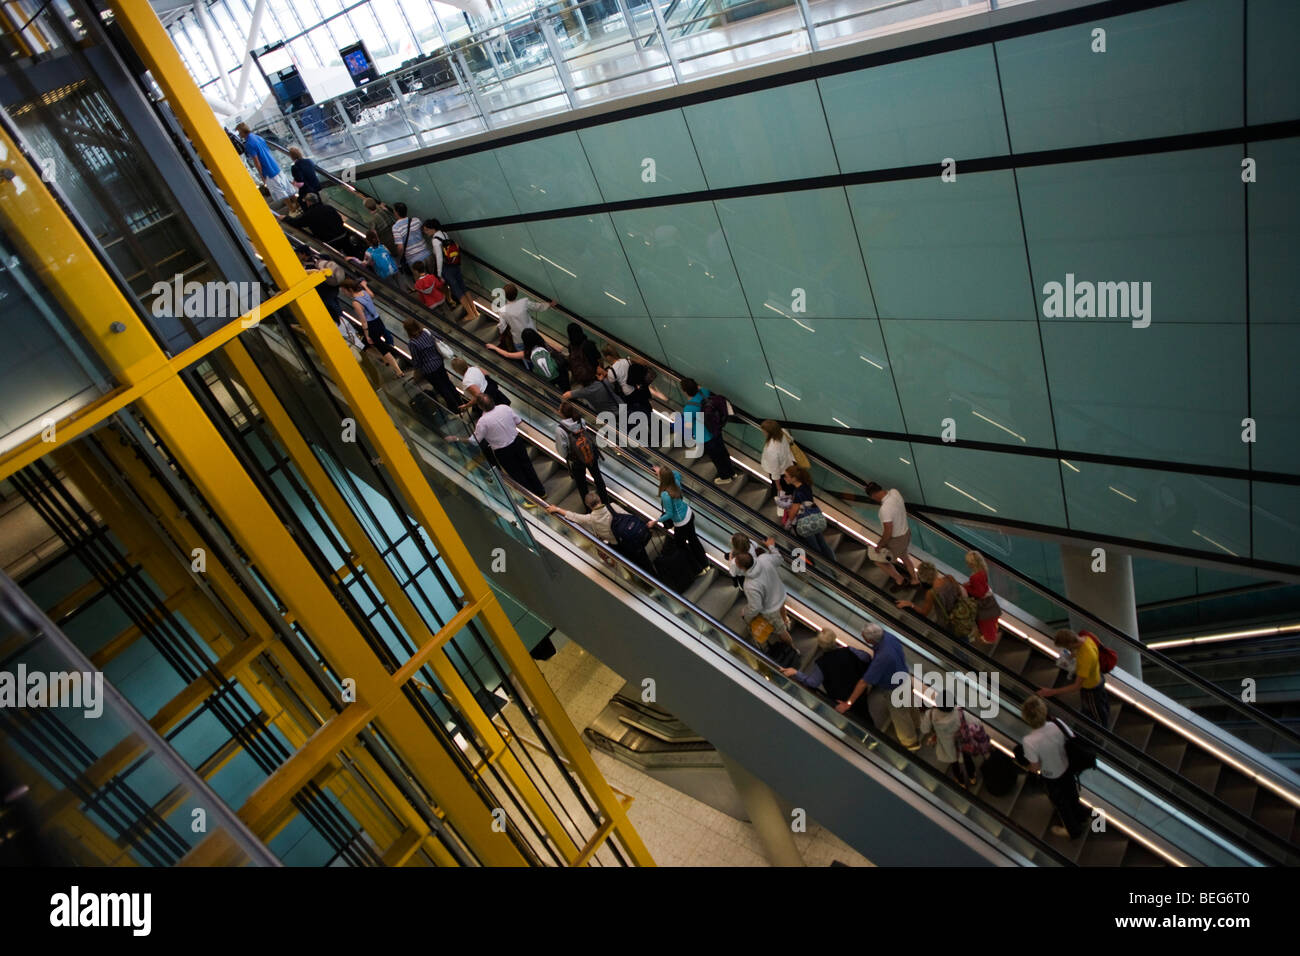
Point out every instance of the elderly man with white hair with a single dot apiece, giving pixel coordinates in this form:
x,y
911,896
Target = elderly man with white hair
x,y
885,667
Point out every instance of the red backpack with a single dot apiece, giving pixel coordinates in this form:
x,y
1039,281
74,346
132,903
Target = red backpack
x,y
1106,658
450,252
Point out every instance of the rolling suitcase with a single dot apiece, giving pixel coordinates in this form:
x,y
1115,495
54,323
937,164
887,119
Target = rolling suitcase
x,y
674,566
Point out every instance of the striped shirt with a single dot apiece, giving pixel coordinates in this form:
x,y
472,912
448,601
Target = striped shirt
x,y
424,353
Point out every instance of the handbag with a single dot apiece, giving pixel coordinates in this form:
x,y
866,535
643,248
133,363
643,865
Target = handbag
x,y
809,521
760,628
972,738
800,458
506,342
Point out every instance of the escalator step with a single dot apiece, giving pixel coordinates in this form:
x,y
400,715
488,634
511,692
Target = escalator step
x,y
1106,848
1275,813
1201,769
1012,654
1167,747
1236,791
1132,726
851,555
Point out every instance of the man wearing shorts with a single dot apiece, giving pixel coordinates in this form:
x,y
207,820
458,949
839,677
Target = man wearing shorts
x,y
447,267
895,536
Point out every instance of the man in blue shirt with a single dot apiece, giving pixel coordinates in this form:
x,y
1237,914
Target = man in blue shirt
x,y
887,663
255,148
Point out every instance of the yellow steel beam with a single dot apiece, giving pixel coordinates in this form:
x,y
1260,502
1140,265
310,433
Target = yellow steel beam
x,y
177,525
84,419
429,649
153,45
70,269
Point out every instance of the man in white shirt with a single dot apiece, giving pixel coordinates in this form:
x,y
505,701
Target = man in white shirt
x,y
497,432
895,535
599,522
1044,748
516,314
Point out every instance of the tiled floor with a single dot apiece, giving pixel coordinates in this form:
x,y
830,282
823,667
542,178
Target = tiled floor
x,y
677,829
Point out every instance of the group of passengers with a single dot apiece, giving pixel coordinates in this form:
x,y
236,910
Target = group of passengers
x,y
602,379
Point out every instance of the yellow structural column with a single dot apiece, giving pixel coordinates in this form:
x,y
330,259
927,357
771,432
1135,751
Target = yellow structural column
x,y
50,244
155,48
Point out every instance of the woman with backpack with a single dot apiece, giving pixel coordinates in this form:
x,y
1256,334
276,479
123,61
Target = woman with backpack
x,y
1089,677
941,727
944,594
545,364
577,446
987,610
678,515
377,258
777,454
803,518
583,357
377,335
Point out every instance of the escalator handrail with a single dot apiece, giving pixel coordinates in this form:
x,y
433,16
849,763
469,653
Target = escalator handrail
x,y
1138,763
613,554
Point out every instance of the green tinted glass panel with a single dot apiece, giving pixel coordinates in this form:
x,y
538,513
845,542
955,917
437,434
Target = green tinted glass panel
x,y
797,254
618,153
1173,392
762,137
944,250
680,258
549,173
916,111
986,377
1133,220
1175,69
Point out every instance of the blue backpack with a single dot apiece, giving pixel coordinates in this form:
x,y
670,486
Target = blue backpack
x,y
383,262
629,529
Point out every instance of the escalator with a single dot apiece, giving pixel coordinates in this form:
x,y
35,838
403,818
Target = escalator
x,y
1218,781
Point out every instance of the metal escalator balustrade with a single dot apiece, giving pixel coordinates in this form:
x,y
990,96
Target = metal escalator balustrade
x,y
1028,663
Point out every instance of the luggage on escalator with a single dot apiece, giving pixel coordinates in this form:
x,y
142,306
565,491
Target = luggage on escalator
x,y
999,773
675,566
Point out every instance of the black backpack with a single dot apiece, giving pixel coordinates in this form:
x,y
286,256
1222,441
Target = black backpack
x,y
629,530
1080,755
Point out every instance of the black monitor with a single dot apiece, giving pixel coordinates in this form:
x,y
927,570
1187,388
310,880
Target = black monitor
x,y
359,64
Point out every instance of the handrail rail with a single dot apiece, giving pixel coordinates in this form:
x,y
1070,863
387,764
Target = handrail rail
x,y
1113,743
932,526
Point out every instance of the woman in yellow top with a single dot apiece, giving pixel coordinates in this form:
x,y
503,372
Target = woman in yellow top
x,y
1088,679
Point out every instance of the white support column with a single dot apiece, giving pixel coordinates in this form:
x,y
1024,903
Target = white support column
x,y
201,14
1108,594
254,28
767,813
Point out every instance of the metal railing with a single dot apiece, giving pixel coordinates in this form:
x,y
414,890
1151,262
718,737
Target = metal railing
x,y
547,62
